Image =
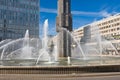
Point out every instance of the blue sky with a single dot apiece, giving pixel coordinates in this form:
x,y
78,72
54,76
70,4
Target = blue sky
x,y
83,12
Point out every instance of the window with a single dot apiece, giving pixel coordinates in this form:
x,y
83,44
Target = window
x,y
118,28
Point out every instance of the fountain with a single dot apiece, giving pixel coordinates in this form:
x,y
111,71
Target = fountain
x,y
44,51
43,54
25,49
65,56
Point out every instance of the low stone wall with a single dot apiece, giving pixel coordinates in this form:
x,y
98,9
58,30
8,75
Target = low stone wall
x,y
58,69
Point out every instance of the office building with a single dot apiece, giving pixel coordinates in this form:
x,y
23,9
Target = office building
x,y
16,16
109,28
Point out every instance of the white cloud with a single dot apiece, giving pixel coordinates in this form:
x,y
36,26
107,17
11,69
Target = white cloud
x,y
99,14
47,10
84,13
103,13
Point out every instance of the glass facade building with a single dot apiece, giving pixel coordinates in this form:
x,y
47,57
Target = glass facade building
x,y
16,16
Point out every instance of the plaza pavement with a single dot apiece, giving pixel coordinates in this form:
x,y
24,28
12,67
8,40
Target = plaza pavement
x,y
84,76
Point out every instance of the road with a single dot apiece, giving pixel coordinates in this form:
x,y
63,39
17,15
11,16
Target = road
x,y
95,76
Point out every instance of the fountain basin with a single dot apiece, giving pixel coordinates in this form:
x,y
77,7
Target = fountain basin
x,y
58,69
90,61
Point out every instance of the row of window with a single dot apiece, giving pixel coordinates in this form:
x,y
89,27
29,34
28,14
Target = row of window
x,y
25,4
18,10
19,18
108,22
110,30
20,30
30,2
109,26
112,36
10,34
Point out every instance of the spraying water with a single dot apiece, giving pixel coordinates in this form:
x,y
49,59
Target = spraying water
x,y
81,53
45,37
44,51
29,48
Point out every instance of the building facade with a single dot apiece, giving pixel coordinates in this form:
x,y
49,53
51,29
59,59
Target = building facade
x,y
78,33
108,28
16,16
101,36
